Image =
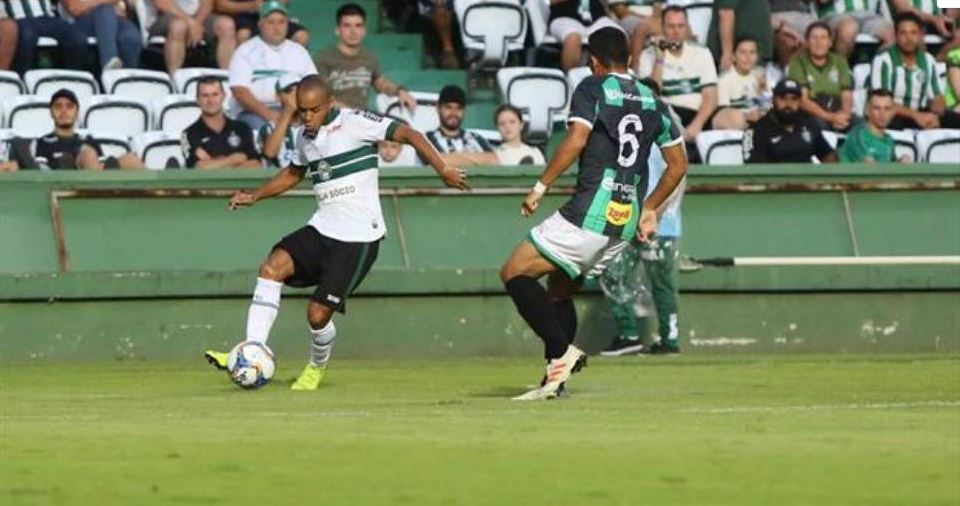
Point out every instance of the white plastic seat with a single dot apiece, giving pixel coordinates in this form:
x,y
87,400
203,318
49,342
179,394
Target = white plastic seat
x,y
859,100
10,84
110,143
834,139
29,115
491,28
574,77
185,80
143,84
424,117
941,145
538,12
174,113
861,76
721,147
156,148
121,115
904,144
46,82
699,17
540,93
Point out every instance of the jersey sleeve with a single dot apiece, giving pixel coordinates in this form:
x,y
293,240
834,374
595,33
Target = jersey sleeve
x,y
585,102
372,127
668,133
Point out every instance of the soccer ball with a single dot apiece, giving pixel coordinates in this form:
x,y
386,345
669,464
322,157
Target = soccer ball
x,y
250,365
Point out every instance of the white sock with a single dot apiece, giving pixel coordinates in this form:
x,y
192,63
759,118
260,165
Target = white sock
x,y
263,309
321,344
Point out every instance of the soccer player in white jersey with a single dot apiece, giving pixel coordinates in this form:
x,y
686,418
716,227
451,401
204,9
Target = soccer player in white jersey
x,y
336,149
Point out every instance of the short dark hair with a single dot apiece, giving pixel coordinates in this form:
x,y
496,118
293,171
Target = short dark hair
x,y
905,17
815,26
743,39
208,79
672,8
650,83
879,92
609,45
505,108
351,10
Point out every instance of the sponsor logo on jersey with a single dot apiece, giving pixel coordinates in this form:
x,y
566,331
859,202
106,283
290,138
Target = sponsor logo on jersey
x,y
614,94
319,171
337,192
619,214
233,140
333,298
628,191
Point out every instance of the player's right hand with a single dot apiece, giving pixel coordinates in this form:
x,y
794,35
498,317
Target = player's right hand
x,y
531,203
241,198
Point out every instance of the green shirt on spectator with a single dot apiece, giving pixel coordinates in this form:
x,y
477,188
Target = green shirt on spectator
x,y
861,144
953,62
751,19
829,80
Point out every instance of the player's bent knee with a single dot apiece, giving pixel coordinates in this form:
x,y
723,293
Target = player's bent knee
x,y
318,315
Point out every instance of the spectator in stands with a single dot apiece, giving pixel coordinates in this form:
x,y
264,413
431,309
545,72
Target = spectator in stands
x,y
118,38
187,23
790,19
786,134
742,92
259,62
278,138
684,71
640,28
451,137
246,18
512,151
351,70
440,14
847,18
395,154
571,21
736,19
8,40
215,141
952,96
38,18
64,149
910,73
930,14
825,78
869,141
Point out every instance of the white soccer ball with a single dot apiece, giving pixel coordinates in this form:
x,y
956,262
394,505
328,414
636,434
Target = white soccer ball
x,y
250,365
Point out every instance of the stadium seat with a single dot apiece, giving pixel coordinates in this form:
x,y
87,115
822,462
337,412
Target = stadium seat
x,y
538,12
174,113
10,84
834,139
541,93
699,16
904,144
940,145
121,115
490,29
28,114
424,117
143,84
110,143
721,147
185,80
156,148
45,82
574,76
861,76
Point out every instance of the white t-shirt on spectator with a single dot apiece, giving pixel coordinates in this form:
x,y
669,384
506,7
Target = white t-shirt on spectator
x,y
738,91
407,158
257,65
509,155
683,76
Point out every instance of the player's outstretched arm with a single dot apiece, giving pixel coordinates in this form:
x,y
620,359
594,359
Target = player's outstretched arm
x,y
676,158
452,176
567,153
286,179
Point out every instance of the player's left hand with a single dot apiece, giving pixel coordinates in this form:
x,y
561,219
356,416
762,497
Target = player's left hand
x,y
455,177
647,226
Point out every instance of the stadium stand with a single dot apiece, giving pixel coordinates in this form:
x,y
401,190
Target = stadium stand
x,y
45,82
145,84
905,144
28,115
174,113
939,146
721,147
10,84
119,114
112,144
541,93
156,149
491,29
423,118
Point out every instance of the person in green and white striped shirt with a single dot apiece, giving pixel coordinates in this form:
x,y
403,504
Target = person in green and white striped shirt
x,y
943,20
847,18
910,73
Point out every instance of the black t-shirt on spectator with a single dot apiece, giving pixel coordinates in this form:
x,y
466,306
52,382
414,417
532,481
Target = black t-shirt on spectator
x,y
769,142
62,152
571,9
235,137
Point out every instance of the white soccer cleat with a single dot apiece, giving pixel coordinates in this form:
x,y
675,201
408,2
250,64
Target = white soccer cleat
x,y
558,372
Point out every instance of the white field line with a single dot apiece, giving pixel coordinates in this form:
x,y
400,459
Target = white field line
x,y
824,407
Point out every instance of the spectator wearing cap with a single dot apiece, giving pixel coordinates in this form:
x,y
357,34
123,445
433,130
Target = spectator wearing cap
x,y
215,141
571,21
64,148
736,19
8,40
869,142
351,70
786,134
118,37
451,137
246,16
260,62
825,78
187,24
39,18
848,18
910,73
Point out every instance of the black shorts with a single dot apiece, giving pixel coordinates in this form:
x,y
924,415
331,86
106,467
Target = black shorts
x,y
249,21
335,267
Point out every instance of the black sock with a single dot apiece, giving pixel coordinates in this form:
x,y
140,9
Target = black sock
x,y
534,306
567,314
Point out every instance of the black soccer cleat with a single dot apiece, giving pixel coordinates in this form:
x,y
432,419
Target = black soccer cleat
x,y
661,349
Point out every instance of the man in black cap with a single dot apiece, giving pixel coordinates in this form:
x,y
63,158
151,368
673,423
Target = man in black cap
x,y
451,137
786,134
64,148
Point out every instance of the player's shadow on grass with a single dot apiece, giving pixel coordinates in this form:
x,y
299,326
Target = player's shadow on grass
x,y
498,392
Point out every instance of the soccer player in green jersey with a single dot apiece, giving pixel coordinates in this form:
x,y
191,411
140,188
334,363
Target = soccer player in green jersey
x,y
869,142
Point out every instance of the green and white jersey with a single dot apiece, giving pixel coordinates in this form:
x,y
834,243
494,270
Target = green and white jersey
x,y
927,6
684,76
341,161
861,144
257,65
847,6
911,87
953,64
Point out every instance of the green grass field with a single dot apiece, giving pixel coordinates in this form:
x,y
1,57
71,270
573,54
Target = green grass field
x,y
809,430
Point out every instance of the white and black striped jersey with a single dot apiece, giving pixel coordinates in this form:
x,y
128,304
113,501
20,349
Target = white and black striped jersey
x,y
465,142
24,9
